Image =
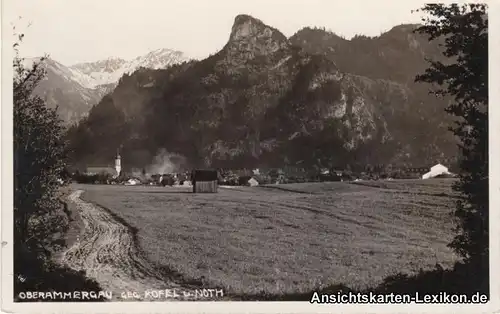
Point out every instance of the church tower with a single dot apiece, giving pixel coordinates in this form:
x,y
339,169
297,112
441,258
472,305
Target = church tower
x,y
118,163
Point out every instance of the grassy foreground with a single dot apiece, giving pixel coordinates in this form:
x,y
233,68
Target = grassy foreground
x,y
290,239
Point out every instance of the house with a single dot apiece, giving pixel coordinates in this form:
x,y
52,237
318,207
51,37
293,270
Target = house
x,y
133,181
253,182
330,175
325,171
435,171
205,181
167,179
277,176
338,173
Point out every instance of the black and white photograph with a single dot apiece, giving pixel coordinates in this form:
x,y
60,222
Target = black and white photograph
x,y
316,153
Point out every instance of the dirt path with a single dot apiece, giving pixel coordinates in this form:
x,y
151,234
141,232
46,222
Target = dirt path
x,y
106,251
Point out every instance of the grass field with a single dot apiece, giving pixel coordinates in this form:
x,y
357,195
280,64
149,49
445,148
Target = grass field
x,y
290,238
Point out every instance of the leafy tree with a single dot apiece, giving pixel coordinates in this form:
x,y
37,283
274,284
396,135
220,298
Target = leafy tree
x,y
38,156
39,163
465,30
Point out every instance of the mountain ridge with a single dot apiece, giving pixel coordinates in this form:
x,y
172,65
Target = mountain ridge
x,y
110,70
75,89
268,100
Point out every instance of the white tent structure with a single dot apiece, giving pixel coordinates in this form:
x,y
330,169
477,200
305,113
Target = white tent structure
x,y
435,171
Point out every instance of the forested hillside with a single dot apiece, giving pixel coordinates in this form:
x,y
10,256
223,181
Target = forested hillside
x,y
312,100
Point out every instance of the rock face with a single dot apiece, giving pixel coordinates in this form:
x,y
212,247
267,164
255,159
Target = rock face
x,y
314,100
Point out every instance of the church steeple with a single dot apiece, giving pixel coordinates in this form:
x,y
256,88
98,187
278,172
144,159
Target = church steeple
x,y
118,162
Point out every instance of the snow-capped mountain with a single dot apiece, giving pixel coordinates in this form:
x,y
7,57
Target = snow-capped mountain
x,y
75,89
55,68
109,71
67,89
109,65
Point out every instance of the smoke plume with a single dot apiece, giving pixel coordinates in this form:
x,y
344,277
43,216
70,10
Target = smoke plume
x,y
165,162
138,173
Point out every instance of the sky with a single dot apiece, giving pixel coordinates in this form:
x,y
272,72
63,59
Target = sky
x,y
73,31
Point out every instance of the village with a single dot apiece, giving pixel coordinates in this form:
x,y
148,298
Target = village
x,y
207,180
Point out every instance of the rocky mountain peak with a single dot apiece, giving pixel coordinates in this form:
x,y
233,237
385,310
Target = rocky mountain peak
x,y
246,27
251,38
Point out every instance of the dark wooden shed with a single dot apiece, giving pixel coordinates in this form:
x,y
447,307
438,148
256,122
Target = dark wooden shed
x,y
204,180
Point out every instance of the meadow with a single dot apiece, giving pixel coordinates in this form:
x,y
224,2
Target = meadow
x,y
293,238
